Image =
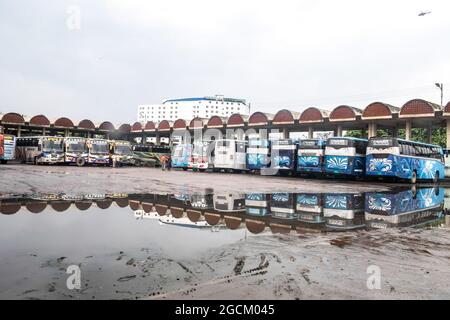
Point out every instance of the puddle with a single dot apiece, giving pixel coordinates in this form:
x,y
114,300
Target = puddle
x,y
134,245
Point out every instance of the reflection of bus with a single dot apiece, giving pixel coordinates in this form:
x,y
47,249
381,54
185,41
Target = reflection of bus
x,y
229,202
229,155
121,152
405,208
202,201
282,205
283,155
38,150
257,204
343,210
309,207
7,148
345,156
98,151
181,155
258,153
392,157
311,156
76,151
199,159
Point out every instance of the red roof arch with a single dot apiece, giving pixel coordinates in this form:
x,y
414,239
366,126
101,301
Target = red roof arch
x,y
196,123
136,127
259,119
344,113
40,120
12,117
418,108
86,124
215,122
312,115
164,125
283,116
180,124
106,126
150,126
125,128
379,110
64,122
236,120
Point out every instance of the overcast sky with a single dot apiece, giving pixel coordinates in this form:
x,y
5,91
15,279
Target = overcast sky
x,y
275,54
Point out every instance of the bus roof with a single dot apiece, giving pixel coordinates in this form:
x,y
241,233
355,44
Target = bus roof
x,y
350,138
408,141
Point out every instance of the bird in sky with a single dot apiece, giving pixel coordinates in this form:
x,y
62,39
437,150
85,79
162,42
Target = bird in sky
x,y
424,13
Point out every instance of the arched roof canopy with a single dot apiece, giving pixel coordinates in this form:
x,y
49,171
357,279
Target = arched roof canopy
x,y
64,122
125,128
136,127
232,223
236,120
164,125
180,124
285,117
12,117
86,124
215,122
150,126
106,126
196,123
379,110
313,115
259,119
418,108
447,109
40,120
344,113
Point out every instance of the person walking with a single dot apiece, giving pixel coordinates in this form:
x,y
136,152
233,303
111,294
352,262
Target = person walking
x,y
163,160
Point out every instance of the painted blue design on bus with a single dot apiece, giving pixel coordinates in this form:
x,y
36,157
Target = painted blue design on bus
x,y
258,156
181,155
345,156
311,156
308,199
284,154
391,157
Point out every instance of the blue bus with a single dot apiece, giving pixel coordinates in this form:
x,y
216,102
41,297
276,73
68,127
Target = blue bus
x,y
283,156
345,156
311,156
404,208
181,156
403,159
258,153
309,208
257,204
344,211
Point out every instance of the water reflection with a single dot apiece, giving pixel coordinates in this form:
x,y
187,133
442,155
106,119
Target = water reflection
x,y
279,212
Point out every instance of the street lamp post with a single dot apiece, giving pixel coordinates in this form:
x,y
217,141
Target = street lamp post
x,y
441,87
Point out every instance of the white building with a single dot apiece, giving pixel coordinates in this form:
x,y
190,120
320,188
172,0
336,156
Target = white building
x,y
189,108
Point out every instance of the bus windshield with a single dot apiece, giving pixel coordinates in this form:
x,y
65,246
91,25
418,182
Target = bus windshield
x,y
122,149
76,146
52,145
99,148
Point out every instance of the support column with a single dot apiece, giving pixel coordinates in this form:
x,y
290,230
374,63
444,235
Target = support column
x,y
447,121
338,131
310,133
19,131
44,131
430,134
395,132
285,133
408,130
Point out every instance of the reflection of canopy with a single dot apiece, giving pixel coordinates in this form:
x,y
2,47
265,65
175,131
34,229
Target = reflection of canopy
x,y
122,202
9,208
60,206
212,218
135,205
103,203
36,207
83,205
280,228
161,210
177,212
147,206
255,226
194,215
232,223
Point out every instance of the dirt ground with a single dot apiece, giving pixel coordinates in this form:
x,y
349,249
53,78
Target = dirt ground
x,y
16,178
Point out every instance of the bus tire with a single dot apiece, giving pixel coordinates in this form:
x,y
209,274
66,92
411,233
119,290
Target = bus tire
x,y
413,179
80,162
185,169
436,177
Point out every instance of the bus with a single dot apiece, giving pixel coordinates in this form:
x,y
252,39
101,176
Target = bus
x,y
258,153
181,155
282,205
7,148
403,159
40,150
98,151
149,155
404,208
343,211
311,156
309,208
230,202
257,204
229,155
121,152
283,156
76,151
200,159
345,156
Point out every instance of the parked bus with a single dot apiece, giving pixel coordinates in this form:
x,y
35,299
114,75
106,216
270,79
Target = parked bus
x,y
403,159
311,156
7,148
258,153
283,156
309,208
200,157
345,156
229,155
149,155
98,151
404,208
181,155
40,150
343,211
76,151
282,205
121,152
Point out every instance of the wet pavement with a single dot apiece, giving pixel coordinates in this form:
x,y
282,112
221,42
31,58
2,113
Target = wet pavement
x,y
213,244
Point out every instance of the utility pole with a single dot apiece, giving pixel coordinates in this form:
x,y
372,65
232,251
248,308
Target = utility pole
x,y
440,86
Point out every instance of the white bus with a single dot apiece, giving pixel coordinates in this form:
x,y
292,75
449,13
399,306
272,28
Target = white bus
x,y
121,152
229,155
98,151
76,151
41,149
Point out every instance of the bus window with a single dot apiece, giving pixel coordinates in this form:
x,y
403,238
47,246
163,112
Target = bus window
x,y
240,147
